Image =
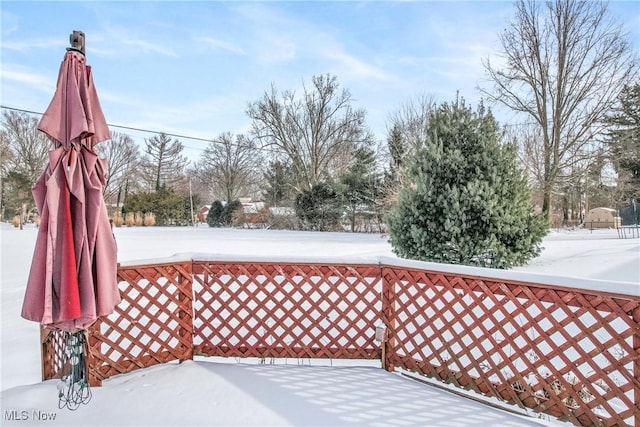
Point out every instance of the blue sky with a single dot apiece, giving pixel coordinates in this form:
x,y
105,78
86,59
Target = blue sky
x,y
191,68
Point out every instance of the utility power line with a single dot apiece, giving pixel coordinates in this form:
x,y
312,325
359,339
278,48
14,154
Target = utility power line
x,y
155,132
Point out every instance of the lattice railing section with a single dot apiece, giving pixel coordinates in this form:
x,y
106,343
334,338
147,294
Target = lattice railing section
x,y
151,325
286,310
566,352
52,347
570,353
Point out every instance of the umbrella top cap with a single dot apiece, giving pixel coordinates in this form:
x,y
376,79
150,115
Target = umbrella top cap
x,y
77,42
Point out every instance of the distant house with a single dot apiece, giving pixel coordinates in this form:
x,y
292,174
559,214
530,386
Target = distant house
x,y
251,207
254,214
282,211
202,213
602,218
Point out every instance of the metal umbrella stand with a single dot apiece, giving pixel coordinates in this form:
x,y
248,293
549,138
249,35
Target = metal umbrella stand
x,y
73,388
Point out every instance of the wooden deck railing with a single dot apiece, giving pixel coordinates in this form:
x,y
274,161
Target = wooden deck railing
x,y
569,352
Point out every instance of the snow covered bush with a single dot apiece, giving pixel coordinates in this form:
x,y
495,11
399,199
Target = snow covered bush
x,y
465,200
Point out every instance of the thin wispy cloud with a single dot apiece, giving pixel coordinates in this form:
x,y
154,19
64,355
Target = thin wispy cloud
x,y
220,44
121,41
26,45
150,47
8,23
275,36
33,80
357,68
277,48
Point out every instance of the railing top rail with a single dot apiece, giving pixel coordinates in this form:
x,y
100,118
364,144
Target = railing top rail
x,y
571,283
607,287
243,259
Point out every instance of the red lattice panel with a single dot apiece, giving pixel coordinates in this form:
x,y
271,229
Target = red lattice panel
x,y
286,310
566,352
52,347
151,325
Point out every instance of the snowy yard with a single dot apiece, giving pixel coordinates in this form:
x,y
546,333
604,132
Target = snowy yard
x,y
302,392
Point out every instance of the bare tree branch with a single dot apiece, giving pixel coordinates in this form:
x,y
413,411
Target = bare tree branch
x,y
230,167
565,62
314,130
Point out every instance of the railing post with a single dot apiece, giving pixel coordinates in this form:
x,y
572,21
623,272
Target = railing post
x,y
388,318
93,363
636,362
45,366
185,313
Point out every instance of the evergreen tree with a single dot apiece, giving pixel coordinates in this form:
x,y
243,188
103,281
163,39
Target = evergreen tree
x,y
465,200
397,151
623,141
320,208
279,182
360,184
214,216
227,213
393,176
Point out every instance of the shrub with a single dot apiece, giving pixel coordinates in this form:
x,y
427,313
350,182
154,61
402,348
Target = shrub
x,y
214,216
116,219
466,200
149,219
129,219
319,209
230,209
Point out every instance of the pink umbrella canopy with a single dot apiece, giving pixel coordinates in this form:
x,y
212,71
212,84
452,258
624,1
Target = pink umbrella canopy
x,y
72,280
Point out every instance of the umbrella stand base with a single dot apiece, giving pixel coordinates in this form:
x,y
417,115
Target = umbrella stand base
x,y
73,389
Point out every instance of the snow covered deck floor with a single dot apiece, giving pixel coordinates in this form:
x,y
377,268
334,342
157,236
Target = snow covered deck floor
x,y
232,394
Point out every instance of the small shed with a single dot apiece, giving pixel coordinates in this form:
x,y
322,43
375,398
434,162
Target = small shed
x,y
602,218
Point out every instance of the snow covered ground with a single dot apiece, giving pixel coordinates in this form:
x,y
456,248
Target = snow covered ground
x,y
209,392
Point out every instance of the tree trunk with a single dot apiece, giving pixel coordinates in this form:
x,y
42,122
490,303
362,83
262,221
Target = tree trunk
x,y
546,203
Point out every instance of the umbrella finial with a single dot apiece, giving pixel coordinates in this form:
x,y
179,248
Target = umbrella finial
x,y
77,41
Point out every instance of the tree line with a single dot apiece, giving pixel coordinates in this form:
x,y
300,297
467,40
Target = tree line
x,y
566,71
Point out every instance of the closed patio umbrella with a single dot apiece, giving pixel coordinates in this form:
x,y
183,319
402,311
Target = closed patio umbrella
x,y
72,280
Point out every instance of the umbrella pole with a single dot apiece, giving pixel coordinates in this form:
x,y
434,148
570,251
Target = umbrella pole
x,y
73,388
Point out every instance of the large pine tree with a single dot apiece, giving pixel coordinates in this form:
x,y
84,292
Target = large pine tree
x,y
360,185
465,200
279,184
623,141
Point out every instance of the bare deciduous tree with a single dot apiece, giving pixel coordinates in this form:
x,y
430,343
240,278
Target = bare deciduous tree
x,y
315,131
123,156
23,157
565,62
412,120
163,163
230,167
28,147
